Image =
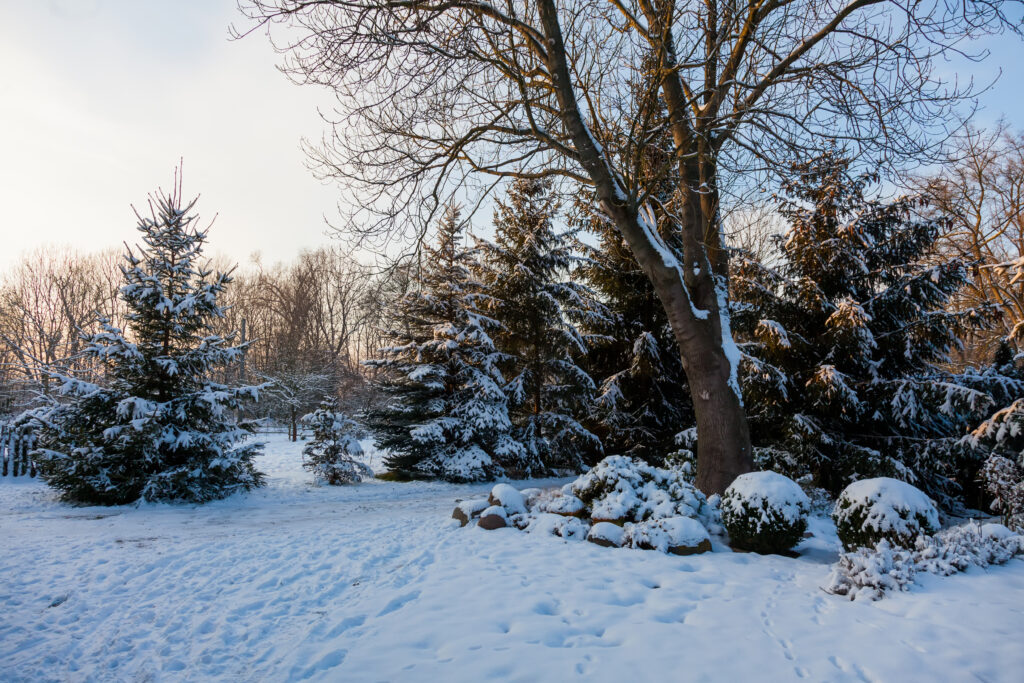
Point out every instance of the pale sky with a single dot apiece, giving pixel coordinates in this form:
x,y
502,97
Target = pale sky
x,y
100,98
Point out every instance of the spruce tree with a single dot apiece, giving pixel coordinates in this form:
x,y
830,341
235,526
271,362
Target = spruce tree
x,y
847,338
444,414
157,425
331,454
525,291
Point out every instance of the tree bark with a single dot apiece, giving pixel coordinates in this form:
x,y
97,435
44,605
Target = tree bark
x,y
688,290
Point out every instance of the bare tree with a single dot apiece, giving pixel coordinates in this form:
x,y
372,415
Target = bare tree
x,y
47,301
435,93
980,187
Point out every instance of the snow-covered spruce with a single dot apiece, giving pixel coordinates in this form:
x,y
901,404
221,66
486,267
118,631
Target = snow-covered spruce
x,y
871,510
765,512
157,425
445,413
532,308
868,573
1004,481
331,454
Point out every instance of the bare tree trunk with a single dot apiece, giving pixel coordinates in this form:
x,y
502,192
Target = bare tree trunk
x,y
688,291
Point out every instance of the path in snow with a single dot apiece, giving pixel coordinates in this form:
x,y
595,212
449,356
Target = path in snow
x,y
373,583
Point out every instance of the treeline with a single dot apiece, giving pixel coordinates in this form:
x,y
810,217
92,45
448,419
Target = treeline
x,y
308,323
875,338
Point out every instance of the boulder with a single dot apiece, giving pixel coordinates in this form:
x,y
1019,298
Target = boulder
x,y
508,498
567,506
468,509
607,535
676,535
493,517
704,546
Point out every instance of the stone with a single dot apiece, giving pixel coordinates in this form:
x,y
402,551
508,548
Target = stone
x,y
469,509
703,547
567,506
607,535
492,518
508,498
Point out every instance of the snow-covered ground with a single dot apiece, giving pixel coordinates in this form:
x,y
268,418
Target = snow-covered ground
x,y
373,583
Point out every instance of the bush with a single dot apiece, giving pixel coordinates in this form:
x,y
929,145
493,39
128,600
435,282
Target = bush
x,y
872,510
1004,481
331,455
765,512
868,573
620,489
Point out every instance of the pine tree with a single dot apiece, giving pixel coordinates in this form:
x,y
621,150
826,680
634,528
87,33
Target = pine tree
x,y
331,454
445,414
524,290
847,338
157,426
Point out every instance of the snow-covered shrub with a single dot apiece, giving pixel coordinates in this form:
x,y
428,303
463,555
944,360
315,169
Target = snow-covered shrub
x,y
330,456
867,573
569,528
870,510
620,489
765,512
1004,481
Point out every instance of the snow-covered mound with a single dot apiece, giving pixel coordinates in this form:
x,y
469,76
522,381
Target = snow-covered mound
x,y
620,489
621,502
870,510
765,512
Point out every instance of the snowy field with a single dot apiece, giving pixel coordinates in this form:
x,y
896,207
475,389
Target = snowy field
x,y
374,583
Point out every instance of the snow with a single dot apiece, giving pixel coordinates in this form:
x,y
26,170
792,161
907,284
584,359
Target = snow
x,y
889,504
760,490
509,498
376,582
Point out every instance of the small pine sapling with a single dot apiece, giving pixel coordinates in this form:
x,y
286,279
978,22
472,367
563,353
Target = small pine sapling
x,y
331,454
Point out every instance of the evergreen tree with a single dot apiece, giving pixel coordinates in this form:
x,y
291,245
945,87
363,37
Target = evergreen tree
x,y
524,290
445,414
331,454
847,338
157,426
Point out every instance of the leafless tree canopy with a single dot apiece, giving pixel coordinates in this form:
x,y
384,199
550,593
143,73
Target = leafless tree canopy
x,y
432,95
980,187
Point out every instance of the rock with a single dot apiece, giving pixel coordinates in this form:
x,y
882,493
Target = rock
x,y
508,498
493,517
603,520
703,547
567,506
676,535
606,534
468,509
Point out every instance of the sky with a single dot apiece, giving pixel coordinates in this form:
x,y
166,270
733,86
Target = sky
x,y
99,99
